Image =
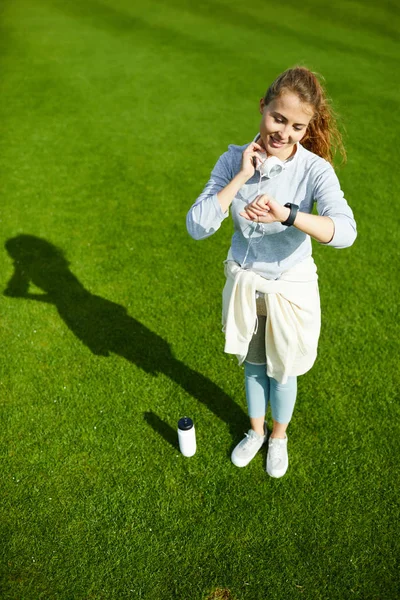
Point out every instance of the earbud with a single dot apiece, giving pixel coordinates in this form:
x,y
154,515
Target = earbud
x,y
269,166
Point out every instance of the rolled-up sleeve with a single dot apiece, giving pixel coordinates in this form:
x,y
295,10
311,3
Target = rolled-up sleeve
x,y
331,203
205,216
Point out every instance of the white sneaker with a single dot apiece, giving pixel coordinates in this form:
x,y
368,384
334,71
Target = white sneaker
x,y
277,457
246,450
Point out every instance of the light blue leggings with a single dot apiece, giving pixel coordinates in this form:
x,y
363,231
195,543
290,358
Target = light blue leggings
x,y
260,389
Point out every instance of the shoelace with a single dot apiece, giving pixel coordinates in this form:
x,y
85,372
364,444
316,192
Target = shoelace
x,y
276,451
250,439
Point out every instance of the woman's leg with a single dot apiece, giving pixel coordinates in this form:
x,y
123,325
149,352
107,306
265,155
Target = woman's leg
x,y
256,379
257,390
283,399
257,394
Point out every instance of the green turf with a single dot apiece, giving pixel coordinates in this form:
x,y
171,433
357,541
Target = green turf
x,y
112,115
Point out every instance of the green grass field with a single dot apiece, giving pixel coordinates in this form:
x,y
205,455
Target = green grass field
x,y
112,115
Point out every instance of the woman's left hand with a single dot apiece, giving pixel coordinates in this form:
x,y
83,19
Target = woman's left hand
x,y
265,209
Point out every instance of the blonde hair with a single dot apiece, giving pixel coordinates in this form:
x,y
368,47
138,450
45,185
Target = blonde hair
x,y
322,136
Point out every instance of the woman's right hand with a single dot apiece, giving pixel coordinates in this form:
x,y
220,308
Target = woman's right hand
x,y
248,156
227,194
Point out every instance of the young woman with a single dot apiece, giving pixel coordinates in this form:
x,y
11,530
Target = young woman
x,y
271,309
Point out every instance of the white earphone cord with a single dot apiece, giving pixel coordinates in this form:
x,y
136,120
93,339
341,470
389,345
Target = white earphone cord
x,y
254,228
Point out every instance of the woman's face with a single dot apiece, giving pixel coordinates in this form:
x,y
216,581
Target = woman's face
x,y
284,123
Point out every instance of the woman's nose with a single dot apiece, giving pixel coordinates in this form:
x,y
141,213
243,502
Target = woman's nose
x,y
284,132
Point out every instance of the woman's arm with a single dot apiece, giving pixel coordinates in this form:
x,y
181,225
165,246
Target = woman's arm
x,y
266,209
228,176
334,225
227,194
320,228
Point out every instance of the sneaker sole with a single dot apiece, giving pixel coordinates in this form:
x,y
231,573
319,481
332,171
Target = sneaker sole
x,y
239,463
243,463
277,474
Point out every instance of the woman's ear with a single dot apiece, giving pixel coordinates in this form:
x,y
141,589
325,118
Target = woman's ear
x,y
262,105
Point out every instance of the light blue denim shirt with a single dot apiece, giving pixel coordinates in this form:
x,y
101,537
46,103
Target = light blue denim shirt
x,y
271,249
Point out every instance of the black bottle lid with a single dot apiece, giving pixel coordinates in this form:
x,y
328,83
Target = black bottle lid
x,y
185,424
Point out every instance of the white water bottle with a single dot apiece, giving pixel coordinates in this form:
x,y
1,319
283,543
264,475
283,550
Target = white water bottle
x,y
186,436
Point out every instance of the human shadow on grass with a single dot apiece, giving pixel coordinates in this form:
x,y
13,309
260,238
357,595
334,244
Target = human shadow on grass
x,y
105,327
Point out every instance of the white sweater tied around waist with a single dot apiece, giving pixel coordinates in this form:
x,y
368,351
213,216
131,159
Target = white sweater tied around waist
x,y
293,316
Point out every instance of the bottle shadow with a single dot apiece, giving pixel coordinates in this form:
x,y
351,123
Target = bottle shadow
x,y
165,430
106,328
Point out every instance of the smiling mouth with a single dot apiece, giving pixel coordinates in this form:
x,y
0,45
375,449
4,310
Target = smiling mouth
x,y
277,142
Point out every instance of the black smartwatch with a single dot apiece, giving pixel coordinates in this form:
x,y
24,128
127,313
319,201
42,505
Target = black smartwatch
x,y
294,209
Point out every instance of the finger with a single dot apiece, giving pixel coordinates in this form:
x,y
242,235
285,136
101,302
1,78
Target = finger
x,y
259,212
256,214
257,208
251,155
264,197
250,158
260,205
256,146
249,213
253,151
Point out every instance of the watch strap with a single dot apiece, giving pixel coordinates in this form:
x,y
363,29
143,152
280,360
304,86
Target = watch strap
x,y
294,209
